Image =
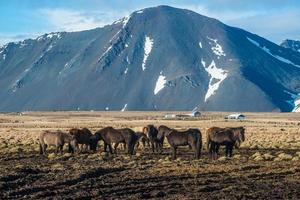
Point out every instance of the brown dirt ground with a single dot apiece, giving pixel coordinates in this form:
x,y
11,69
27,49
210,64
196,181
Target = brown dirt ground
x,y
267,166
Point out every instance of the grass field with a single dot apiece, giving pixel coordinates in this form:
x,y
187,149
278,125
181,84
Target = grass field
x,y
267,166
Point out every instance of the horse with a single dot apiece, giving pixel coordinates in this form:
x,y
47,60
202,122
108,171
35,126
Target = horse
x,y
228,137
162,130
57,139
142,138
190,137
82,137
110,135
152,132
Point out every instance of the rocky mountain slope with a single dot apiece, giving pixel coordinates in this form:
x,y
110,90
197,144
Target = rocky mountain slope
x,y
159,58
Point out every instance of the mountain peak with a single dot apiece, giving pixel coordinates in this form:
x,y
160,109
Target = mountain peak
x,y
159,58
291,44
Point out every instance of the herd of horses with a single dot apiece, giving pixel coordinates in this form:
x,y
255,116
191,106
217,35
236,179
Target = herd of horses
x,y
150,136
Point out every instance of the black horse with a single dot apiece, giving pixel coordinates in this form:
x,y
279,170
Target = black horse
x,y
152,132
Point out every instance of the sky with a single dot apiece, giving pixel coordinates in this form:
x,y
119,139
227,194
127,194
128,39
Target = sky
x,y
275,20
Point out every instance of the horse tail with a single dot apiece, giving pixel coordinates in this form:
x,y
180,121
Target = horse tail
x,y
41,149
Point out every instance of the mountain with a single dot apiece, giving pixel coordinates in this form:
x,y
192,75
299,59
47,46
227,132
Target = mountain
x,y
291,44
159,58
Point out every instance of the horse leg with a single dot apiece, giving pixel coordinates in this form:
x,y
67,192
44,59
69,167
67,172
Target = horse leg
x,y
110,149
152,146
196,149
130,147
57,149
227,150
211,150
61,149
160,147
115,147
85,147
230,150
174,148
44,148
105,147
41,149
217,149
70,149
81,148
215,154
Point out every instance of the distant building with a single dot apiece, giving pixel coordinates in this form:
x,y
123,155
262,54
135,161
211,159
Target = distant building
x,y
195,114
183,116
236,116
170,116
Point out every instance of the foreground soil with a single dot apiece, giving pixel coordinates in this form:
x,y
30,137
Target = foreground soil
x,y
267,166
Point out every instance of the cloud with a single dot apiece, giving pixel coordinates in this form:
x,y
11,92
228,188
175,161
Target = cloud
x,y
223,15
65,20
71,20
274,26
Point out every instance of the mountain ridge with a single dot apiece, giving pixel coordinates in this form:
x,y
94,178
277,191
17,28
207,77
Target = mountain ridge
x,y
159,58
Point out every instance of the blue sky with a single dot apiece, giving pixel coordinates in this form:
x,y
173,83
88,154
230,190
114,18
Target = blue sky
x,y
275,20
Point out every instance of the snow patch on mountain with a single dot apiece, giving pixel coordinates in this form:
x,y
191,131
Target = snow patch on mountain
x,y
297,105
160,83
217,75
126,20
291,44
126,71
49,47
19,82
147,50
22,44
49,36
200,45
203,63
2,51
216,47
295,101
124,108
111,45
265,49
69,64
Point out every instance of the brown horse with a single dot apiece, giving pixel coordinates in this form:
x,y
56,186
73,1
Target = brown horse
x,y
82,137
110,135
57,139
190,137
151,132
142,138
228,137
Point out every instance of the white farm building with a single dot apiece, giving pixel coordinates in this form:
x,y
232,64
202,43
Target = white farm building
x,y
236,116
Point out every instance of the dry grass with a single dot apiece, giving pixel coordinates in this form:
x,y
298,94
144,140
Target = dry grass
x,y
269,157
